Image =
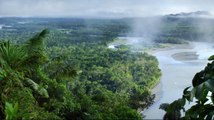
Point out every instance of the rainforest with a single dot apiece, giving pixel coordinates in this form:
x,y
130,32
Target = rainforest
x,y
96,63
69,72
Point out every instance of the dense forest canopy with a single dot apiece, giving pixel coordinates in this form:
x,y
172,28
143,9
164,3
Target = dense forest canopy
x,y
69,73
168,29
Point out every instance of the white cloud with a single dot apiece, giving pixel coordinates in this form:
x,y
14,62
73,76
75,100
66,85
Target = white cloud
x,y
100,8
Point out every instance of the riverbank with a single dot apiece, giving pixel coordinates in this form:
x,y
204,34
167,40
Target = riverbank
x,y
166,47
185,56
177,56
178,64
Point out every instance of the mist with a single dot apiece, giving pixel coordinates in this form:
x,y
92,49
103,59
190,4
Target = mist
x,y
205,27
146,28
100,8
192,26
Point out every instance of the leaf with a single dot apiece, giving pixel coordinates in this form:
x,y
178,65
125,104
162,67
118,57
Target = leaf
x,y
197,79
193,112
11,111
210,116
35,49
11,56
211,58
186,93
182,101
37,40
164,106
16,107
192,94
201,93
42,91
210,85
185,90
36,87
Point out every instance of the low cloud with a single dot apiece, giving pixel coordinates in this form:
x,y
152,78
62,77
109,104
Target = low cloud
x,y
100,8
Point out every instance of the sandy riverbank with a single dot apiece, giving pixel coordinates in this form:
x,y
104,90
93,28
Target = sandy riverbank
x,y
178,64
171,47
185,56
182,56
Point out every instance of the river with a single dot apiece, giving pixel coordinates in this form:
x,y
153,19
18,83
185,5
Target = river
x,y
177,73
1,26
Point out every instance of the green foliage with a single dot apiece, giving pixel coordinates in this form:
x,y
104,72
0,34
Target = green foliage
x,y
11,111
108,78
76,76
11,56
23,80
173,109
201,93
38,89
64,31
125,113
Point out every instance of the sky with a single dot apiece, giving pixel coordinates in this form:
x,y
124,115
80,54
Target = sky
x,y
100,8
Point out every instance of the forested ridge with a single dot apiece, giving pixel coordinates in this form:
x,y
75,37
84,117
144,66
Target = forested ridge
x,y
76,31
45,75
68,71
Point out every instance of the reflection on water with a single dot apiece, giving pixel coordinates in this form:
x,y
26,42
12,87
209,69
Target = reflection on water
x,y
203,49
1,26
177,75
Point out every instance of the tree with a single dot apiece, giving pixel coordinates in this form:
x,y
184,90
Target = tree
x,y
24,79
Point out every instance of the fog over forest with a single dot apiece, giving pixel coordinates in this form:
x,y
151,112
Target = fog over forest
x,y
106,59
100,8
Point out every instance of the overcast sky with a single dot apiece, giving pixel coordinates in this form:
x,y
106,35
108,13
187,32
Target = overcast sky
x,y
101,8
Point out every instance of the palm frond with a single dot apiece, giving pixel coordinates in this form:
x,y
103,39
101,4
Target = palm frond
x,y
11,56
35,49
37,42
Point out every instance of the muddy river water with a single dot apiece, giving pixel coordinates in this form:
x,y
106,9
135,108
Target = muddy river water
x,y
178,66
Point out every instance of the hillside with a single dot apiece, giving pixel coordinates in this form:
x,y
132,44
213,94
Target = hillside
x,y
68,71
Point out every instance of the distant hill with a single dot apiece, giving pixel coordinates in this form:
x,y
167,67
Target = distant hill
x,y
190,14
